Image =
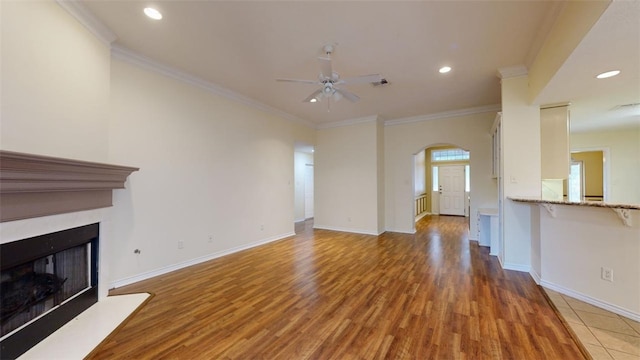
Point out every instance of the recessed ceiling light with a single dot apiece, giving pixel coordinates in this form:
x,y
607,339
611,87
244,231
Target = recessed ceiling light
x,y
313,100
153,13
444,69
608,74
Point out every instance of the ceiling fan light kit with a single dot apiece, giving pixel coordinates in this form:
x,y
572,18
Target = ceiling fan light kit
x,y
328,79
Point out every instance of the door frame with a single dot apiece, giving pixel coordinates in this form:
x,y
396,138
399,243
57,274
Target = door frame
x,y
606,168
464,192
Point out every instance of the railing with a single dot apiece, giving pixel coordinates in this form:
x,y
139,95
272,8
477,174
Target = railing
x,y
420,204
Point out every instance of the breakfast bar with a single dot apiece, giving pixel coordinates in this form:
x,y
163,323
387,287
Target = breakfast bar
x,y
587,250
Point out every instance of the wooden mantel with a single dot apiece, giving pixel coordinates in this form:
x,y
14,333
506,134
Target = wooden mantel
x,y
35,185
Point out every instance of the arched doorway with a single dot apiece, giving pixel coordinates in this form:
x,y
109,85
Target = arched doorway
x,y
441,181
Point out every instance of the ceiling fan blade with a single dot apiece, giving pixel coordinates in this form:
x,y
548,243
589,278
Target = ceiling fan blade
x,y
315,82
314,95
325,67
348,95
373,78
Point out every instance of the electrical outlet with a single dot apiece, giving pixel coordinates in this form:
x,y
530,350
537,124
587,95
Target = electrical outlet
x,y
210,238
606,274
180,244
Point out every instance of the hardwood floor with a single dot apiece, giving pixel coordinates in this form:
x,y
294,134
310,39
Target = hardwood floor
x,y
331,295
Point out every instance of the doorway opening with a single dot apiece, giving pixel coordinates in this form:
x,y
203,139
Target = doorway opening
x,y
303,182
441,181
588,177
575,184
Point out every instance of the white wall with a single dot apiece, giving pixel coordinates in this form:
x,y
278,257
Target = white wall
x,y
300,167
380,175
55,83
55,95
578,242
520,169
208,167
402,141
624,161
419,172
347,188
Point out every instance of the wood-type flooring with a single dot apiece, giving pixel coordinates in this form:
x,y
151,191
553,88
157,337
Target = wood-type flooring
x,y
332,295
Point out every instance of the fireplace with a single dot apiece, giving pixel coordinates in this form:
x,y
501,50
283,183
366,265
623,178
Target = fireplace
x,y
47,280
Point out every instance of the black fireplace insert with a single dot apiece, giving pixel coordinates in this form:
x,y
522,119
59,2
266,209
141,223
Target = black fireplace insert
x,y
46,281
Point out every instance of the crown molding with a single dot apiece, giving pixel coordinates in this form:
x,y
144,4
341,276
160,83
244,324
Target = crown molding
x,y
512,71
444,115
124,54
348,122
86,18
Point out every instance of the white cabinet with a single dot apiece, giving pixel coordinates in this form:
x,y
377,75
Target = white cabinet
x,y
555,153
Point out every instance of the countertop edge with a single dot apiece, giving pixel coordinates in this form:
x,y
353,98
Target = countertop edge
x,y
582,203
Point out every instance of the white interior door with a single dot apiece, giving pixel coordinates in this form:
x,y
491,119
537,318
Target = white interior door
x,y
308,191
451,189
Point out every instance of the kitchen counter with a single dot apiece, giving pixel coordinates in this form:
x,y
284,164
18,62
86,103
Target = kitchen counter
x,y
600,204
586,250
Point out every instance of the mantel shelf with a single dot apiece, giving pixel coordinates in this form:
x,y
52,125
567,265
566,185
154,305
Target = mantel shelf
x,y
36,185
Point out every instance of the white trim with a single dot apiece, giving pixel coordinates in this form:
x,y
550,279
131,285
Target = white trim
x,y
349,230
535,276
86,18
124,54
198,260
593,301
299,220
412,232
606,168
516,267
444,115
512,71
356,121
420,216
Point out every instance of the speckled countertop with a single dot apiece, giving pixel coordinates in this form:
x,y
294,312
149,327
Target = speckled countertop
x,y
600,204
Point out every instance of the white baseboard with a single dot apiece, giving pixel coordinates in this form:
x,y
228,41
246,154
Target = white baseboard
x,y
357,231
198,260
593,301
516,267
535,276
420,216
401,231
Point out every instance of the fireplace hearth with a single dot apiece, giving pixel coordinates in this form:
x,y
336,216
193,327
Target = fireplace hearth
x,y
46,281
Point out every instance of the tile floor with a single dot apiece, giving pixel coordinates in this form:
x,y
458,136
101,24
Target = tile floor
x,y
604,334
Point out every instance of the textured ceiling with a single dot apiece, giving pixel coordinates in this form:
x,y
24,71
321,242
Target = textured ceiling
x,y
245,46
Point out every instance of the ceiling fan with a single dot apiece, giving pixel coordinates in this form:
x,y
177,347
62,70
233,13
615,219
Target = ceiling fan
x,y
329,80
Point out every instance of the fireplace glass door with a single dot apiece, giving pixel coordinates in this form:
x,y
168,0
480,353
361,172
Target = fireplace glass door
x,y
36,287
